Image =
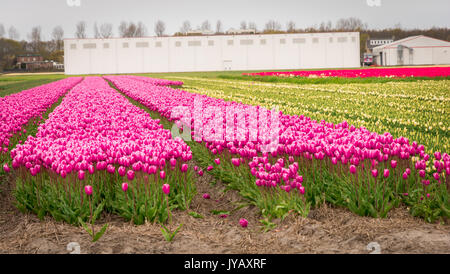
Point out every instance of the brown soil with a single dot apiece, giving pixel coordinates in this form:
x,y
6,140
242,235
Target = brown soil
x,y
326,230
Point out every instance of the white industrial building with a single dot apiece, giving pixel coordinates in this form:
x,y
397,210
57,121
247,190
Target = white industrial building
x,y
414,50
212,53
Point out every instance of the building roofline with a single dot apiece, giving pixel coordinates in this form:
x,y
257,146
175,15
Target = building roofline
x,y
407,39
190,36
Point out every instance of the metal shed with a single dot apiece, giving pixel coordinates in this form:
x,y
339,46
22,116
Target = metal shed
x,y
414,50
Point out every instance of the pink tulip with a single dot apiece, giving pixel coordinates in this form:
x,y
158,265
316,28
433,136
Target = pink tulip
x,y
393,164
235,161
173,162
166,189
91,169
386,173
184,167
352,169
162,174
375,173
217,161
111,169
122,171
405,175
124,187
209,168
437,155
81,175
130,175
301,190
206,196
436,176
243,222
422,173
200,172
6,168
88,190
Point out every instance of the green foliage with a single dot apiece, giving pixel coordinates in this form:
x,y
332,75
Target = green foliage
x,y
96,236
169,235
195,215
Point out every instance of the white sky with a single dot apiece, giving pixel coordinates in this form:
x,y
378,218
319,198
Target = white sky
x,y
24,14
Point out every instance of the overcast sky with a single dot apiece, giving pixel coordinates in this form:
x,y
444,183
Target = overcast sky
x,y
24,14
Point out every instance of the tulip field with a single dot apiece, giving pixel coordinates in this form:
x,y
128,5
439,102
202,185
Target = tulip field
x,y
136,146
363,73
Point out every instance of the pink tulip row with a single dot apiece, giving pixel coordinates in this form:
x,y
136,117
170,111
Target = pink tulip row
x,y
96,128
19,108
362,73
299,136
155,81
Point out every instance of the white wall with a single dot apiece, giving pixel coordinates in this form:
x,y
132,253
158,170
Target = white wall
x,y
196,53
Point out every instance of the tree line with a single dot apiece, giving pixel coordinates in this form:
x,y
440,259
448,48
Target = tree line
x,y
11,44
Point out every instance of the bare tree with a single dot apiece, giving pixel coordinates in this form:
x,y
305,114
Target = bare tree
x,y
160,27
35,37
123,29
57,36
350,24
185,27
219,27
290,26
141,30
132,29
243,25
322,26
81,30
329,26
272,26
2,30
252,25
13,34
96,31
106,30
206,25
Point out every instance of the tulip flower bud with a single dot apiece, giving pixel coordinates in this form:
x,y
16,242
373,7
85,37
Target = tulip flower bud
x,y
166,189
375,173
6,168
88,190
122,171
405,175
81,175
125,187
301,190
352,169
437,155
162,174
130,175
393,164
243,222
206,196
173,162
184,168
217,161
